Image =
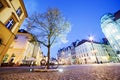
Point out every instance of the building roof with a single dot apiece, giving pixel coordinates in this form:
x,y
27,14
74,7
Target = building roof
x,y
84,40
117,15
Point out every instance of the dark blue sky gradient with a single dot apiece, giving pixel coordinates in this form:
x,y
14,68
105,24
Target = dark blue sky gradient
x,y
83,14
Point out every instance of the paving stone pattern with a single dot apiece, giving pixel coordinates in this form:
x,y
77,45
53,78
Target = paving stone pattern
x,y
75,72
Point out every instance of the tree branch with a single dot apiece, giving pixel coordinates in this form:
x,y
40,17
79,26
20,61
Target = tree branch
x,y
42,43
53,40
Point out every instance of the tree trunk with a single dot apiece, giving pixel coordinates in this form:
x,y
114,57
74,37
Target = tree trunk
x,y
48,55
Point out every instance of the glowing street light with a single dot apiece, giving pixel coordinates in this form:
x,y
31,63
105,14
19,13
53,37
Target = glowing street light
x,y
91,39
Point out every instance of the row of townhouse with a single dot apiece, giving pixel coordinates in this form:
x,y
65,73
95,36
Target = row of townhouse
x,y
67,55
86,52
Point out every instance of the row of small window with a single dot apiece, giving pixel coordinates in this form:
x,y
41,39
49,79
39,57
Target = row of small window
x,y
84,55
11,21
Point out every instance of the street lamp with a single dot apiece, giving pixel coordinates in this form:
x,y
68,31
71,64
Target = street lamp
x,y
91,40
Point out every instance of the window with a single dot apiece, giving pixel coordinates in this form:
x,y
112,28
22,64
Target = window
x,y
87,54
117,37
10,24
1,5
19,12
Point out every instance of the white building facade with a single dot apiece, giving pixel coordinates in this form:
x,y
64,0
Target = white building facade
x,y
91,52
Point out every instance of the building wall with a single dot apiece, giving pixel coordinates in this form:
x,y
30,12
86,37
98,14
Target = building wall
x,y
86,53
111,29
64,56
23,49
112,57
8,30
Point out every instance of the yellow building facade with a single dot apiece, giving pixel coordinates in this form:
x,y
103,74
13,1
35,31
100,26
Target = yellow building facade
x,y
12,14
24,49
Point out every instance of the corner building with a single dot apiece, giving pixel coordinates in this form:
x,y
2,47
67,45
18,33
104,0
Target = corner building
x,y
87,52
23,50
12,14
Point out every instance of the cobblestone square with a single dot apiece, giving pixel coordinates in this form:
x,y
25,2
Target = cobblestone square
x,y
73,72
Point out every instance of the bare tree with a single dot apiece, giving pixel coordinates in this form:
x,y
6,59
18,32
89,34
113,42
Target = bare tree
x,y
48,28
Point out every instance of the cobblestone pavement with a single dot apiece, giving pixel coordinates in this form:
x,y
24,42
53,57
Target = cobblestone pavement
x,y
74,72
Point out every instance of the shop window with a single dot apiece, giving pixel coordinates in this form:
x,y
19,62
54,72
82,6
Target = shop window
x,y
19,12
10,24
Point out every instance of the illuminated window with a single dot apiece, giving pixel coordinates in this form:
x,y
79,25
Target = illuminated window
x,y
114,30
19,12
117,37
1,5
10,24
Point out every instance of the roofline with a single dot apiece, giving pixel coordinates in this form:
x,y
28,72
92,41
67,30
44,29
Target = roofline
x,y
22,3
84,40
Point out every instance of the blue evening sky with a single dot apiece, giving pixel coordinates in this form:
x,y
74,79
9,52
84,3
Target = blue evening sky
x,y
83,14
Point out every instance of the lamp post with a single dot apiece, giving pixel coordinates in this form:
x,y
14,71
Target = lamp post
x,y
91,40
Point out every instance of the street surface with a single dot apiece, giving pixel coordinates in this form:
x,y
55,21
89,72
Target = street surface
x,y
75,72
